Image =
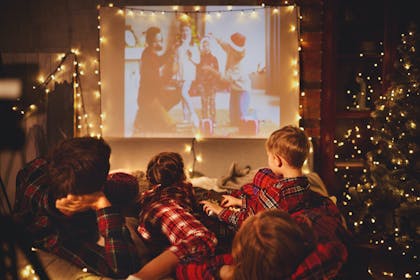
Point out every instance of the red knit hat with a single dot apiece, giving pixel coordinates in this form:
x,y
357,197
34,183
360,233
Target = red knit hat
x,y
238,41
121,188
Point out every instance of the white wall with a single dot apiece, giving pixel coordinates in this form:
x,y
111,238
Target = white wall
x,y
217,154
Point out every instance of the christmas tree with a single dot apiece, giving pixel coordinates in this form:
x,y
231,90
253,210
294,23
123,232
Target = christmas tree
x,y
384,209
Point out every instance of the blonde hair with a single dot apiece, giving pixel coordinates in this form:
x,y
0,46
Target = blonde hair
x,y
269,245
291,143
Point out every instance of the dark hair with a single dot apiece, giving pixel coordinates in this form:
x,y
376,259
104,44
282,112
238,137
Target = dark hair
x,y
291,143
151,33
166,172
121,188
270,245
166,168
78,166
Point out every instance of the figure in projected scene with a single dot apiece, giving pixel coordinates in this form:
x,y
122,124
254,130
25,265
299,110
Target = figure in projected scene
x,y
238,81
207,80
152,114
187,58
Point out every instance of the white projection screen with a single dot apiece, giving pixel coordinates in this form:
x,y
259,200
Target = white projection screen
x,y
221,72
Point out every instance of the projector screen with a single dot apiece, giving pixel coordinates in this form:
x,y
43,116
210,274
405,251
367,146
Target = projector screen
x,y
217,71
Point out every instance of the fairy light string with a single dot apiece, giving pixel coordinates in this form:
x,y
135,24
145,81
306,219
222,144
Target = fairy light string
x,y
42,89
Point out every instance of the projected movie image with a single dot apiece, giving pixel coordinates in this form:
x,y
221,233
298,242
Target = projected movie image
x,y
214,72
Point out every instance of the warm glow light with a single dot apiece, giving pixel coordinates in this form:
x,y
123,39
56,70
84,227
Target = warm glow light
x,y
184,16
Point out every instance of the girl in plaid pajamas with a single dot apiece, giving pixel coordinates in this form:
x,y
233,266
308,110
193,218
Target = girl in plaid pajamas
x,y
166,224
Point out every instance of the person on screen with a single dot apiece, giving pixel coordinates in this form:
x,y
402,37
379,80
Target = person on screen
x,y
151,115
236,77
187,58
207,80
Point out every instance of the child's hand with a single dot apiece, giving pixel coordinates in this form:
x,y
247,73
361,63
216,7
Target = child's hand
x,y
226,272
229,201
72,204
211,208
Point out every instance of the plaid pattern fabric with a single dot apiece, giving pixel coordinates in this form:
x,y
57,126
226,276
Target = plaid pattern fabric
x,y
72,238
271,193
305,206
208,270
262,179
170,227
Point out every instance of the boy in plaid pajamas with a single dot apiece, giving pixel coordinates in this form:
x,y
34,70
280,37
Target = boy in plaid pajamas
x,y
284,186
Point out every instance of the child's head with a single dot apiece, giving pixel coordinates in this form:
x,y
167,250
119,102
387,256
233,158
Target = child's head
x,y
186,32
205,45
121,188
269,245
166,168
290,143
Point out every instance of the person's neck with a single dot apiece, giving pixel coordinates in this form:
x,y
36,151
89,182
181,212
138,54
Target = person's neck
x,y
291,173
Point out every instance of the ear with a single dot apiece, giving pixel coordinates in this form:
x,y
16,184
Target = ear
x,y
278,160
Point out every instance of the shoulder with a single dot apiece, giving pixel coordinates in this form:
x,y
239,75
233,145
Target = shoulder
x,y
36,163
32,171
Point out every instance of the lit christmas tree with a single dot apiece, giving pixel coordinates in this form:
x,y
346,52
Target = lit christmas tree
x,y
384,210
351,143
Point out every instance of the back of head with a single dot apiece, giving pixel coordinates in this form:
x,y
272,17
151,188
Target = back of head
x,y
166,168
291,143
78,166
121,188
269,245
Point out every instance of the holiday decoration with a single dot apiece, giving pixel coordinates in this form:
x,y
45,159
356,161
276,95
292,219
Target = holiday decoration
x,y
383,208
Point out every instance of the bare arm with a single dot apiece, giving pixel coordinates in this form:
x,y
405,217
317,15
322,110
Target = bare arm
x,y
158,268
118,257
